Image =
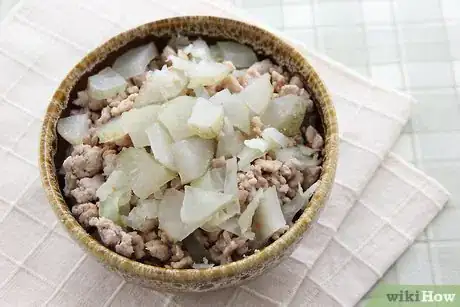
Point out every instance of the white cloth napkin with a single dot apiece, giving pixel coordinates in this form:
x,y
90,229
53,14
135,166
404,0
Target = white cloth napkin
x,y
379,204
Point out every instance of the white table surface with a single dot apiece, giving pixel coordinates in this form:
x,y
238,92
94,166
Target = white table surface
x,y
412,45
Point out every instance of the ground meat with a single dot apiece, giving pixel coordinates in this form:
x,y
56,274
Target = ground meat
x,y
176,183
278,81
138,245
96,105
295,80
256,126
85,161
268,166
227,246
109,161
105,116
124,105
124,141
167,52
232,84
185,262
86,189
125,246
82,99
279,232
139,80
91,139
262,67
311,175
84,212
218,162
314,139
109,232
158,249
70,181
289,89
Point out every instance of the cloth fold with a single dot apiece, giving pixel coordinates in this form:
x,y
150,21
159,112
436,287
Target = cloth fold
x,y
378,204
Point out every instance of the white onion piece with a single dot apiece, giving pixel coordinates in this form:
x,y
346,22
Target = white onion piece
x,y
207,73
247,155
110,131
235,109
181,64
216,53
106,84
298,202
201,92
199,205
301,156
240,55
145,175
230,142
286,113
258,94
169,216
161,145
146,209
116,204
117,180
175,115
268,217
245,220
160,86
275,138
192,157
206,119
212,180
135,121
73,128
231,184
257,143
199,50
134,62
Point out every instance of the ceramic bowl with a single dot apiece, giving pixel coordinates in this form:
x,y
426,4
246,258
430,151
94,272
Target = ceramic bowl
x,y
53,149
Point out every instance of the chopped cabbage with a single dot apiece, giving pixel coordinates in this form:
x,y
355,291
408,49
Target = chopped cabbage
x,y
298,202
212,180
230,142
275,138
115,205
268,217
300,155
134,62
110,131
146,209
106,84
207,73
135,121
258,94
247,155
175,115
206,119
161,145
116,181
240,55
74,128
235,109
245,220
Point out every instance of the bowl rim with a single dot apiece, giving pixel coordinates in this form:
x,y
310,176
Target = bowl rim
x,y
48,174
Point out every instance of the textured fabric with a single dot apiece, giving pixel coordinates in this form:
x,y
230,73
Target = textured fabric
x,y
379,204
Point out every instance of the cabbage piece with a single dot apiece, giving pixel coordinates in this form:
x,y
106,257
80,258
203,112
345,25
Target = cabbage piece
x,y
212,180
268,217
231,184
206,119
161,145
169,216
116,181
145,175
73,128
199,205
299,202
216,53
106,84
134,62
240,55
230,142
146,209
300,155
207,73
286,113
175,115
275,138
199,50
115,205
135,121
201,92
160,86
110,131
245,220
181,64
192,157
247,155
258,94
257,143
235,109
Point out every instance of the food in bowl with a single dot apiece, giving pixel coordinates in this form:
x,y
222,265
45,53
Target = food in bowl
x,y
195,156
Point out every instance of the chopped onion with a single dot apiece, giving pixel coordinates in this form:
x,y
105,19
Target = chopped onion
x,y
199,205
169,216
212,180
201,92
181,64
247,155
235,109
199,50
245,220
116,204
160,86
258,94
231,184
298,202
275,138
134,62
219,97
175,115
146,209
258,143
240,55
145,175
135,121
110,131
230,142
286,113
192,157
207,73
161,145
301,156
206,119
268,217
106,84
116,181
74,128
216,53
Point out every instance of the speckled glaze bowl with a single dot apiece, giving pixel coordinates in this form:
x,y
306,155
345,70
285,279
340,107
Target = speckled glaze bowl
x,y
53,149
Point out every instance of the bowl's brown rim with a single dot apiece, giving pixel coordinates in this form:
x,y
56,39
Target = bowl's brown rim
x,y
49,175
